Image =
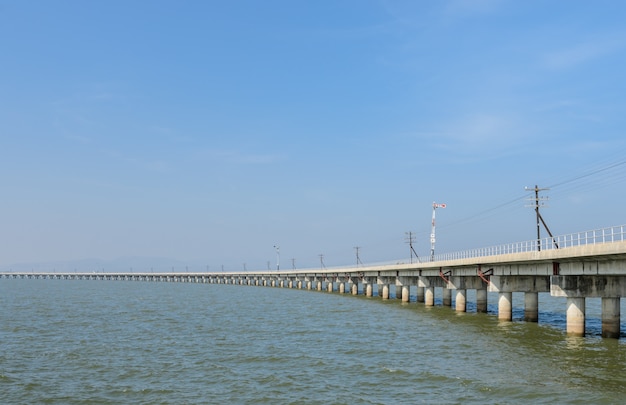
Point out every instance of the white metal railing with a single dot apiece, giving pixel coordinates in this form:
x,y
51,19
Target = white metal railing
x,y
604,235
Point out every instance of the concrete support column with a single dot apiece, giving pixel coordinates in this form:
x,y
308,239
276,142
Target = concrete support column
x,y
461,301
531,307
610,317
299,284
447,297
342,287
330,286
319,286
481,300
405,293
429,296
369,290
309,284
505,306
290,284
355,288
575,316
420,294
385,292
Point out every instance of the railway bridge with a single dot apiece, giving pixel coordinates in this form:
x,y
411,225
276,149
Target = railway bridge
x,y
576,266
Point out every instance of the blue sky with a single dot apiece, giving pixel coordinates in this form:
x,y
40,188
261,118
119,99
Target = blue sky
x,y
211,131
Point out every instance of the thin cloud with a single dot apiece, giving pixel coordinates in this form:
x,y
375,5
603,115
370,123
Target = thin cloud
x,y
237,157
472,7
482,131
584,52
82,139
477,137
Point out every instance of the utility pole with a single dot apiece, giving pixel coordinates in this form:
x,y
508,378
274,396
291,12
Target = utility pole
x,y
322,265
432,233
410,238
536,203
277,257
293,264
358,260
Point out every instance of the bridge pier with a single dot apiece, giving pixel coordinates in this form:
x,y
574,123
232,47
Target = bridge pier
x,y
447,297
369,290
461,301
429,296
385,291
531,306
406,296
420,294
576,288
610,317
330,286
342,287
355,288
575,315
481,300
505,306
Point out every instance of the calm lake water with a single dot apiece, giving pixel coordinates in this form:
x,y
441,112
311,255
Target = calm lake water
x,y
114,342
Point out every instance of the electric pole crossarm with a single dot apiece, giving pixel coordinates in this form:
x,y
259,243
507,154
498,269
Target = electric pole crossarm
x,y
358,259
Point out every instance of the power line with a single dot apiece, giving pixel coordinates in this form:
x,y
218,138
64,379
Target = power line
x,y
616,177
582,176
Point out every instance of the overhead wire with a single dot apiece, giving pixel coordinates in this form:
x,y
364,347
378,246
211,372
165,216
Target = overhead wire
x,y
615,171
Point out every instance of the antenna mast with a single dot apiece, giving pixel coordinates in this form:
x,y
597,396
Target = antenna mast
x,y
432,233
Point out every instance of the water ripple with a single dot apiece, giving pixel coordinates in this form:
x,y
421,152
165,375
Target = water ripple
x,y
89,342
